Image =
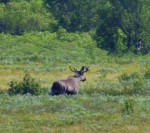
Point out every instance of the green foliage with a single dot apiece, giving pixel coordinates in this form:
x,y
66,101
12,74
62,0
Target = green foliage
x,y
27,86
107,27
121,25
128,17
145,17
132,84
120,40
61,33
127,77
95,113
75,15
128,106
129,84
53,49
147,74
103,87
29,16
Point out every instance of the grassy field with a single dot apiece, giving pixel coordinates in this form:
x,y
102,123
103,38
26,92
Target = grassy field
x,y
115,98
75,114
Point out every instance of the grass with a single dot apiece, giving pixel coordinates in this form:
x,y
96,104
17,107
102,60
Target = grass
x,y
98,72
107,101
91,113
98,107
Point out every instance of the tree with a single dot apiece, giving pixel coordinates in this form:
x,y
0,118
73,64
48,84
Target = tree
x,y
110,23
125,16
75,15
145,32
19,17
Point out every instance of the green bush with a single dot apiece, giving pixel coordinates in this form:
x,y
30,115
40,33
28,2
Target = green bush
x,y
127,77
27,86
132,84
58,48
128,106
29,16
104,87
147,74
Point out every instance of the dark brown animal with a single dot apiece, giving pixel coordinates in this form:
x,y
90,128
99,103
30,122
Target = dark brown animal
x,y
69,85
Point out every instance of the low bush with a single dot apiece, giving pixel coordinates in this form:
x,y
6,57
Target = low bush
x,y
128,106
105,87
127,77
147,74
27,86
58,48
29,16
132,83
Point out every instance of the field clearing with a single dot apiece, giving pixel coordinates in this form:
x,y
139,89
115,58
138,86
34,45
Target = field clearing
x,y
83,113
46,77
91,111
114,99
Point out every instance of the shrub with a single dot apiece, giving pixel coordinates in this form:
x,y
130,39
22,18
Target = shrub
x,y
147,74
27,86
108,88
132,84
127,77
128,106
29,16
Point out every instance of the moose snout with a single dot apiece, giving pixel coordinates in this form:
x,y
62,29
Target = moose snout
x,y
84,79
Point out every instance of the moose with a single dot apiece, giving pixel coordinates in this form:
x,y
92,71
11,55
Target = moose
x,y
69,86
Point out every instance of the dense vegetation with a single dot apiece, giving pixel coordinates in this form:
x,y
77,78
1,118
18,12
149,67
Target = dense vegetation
x,y
97,113
19,17
56,49
118,26
39,39
115,96
121,25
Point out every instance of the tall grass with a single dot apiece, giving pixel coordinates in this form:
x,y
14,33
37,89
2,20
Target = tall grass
x,y
92,113
115,97
50,48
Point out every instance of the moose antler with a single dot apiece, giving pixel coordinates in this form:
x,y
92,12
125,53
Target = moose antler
x,y
73,69
84,69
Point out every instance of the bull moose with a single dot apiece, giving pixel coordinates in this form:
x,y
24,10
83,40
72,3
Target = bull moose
x,y
69,85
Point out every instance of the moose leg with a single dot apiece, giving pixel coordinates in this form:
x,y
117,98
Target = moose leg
x,y
51,93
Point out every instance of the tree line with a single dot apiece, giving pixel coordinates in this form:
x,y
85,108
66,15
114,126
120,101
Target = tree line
x,y
118,26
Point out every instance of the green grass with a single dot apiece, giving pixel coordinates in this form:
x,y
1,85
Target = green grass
x,y
92,113
48,48
115,98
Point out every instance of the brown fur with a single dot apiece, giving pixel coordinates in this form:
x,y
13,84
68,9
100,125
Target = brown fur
x,y
70,85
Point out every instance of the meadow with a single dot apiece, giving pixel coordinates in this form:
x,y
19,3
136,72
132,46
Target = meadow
x,y
115,97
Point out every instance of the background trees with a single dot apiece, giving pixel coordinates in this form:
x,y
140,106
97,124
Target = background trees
x,y
75,15
19,17
120,26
